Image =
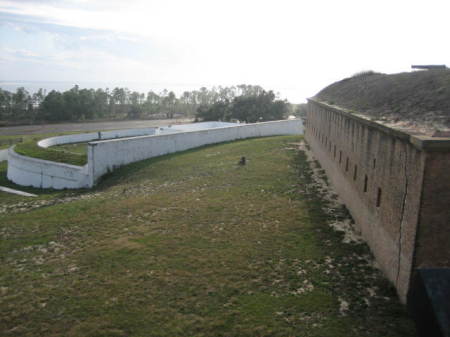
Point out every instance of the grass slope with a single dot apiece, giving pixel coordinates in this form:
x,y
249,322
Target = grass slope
x,y
191,244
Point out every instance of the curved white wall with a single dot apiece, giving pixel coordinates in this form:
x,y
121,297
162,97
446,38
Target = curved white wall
x,y
106,155
87,137
68,139
27,171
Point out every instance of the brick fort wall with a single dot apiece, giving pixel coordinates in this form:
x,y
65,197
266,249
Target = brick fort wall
x,y
390,182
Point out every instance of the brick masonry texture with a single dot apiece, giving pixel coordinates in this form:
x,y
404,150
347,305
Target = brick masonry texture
x,y
396,187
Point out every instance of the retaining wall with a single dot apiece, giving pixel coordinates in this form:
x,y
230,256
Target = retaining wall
x,y
27,171
197,126
389,181
87,137
105,156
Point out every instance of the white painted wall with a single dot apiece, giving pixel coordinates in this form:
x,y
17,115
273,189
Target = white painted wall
x,y
105,156
127,133
87,137
192,127
201,126
68,139
27,171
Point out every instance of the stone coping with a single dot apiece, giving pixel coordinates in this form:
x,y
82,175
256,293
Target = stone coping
x,y
93,143
421,142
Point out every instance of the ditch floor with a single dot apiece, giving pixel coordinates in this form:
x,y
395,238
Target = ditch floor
x,y
194,244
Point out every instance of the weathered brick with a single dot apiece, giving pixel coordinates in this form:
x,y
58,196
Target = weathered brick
x,y
395,186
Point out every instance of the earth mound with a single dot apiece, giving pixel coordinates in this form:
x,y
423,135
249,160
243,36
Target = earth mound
x,y
416,102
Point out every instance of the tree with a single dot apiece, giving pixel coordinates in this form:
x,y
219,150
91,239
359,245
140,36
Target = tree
x,y
86,104
216,112
22,107
53,107
101,98
260,106
243,102
168,104
135,110
5,104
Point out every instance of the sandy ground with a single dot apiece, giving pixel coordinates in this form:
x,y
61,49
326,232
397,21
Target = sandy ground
x,y
88,126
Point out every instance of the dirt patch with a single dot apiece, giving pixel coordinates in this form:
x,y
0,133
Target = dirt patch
x,y
24,206
126,242
334,205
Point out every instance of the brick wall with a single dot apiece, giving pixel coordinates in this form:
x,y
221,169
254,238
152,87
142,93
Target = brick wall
x,y
433,238
379,174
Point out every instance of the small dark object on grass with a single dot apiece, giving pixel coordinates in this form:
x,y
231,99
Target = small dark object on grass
x,y
242,161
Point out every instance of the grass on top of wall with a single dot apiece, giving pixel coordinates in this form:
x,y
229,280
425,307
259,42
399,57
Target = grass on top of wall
x,y
191,244
7,141
76,148
70,154
32,149
75,154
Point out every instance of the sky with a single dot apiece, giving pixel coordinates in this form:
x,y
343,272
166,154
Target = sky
x,y
294,47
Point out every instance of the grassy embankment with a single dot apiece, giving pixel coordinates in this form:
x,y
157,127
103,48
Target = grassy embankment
x,y
422,97
191,244
74,154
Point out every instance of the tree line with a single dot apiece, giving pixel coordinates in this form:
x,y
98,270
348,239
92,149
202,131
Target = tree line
x,y
262,106
243,102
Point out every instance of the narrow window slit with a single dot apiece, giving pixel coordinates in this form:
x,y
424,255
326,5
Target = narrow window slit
x,y
365,183
379,197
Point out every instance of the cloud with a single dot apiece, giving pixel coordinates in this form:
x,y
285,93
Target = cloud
x,y
84,65
11,55
283,43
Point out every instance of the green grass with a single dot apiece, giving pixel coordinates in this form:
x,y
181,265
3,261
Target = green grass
x,y
190,244
75,154
7,141
76,148
31,149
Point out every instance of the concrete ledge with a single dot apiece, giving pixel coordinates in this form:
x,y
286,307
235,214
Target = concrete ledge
x,y
10,190
420,142
87,137
68,139
430,143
